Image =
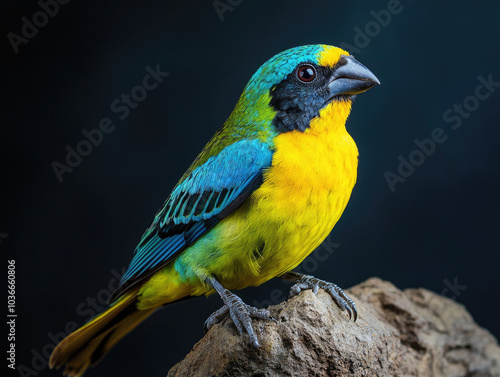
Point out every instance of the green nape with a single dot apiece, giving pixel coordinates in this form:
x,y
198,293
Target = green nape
x,y
251,119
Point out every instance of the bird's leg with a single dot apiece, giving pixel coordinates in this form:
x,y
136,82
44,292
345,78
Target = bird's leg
x,y
240,313
310,282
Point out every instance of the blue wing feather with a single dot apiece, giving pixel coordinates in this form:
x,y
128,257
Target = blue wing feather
x,y
211,192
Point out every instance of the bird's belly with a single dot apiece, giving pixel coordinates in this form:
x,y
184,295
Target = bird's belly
x,y
299,230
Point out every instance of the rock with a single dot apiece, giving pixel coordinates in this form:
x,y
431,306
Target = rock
x,y
398,333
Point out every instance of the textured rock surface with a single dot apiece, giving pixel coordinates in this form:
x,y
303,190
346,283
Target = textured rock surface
x,y
410,333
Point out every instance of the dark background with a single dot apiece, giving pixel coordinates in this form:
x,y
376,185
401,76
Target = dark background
x,y
439,226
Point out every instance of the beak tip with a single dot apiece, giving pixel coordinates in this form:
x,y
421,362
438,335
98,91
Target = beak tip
x,y
373,78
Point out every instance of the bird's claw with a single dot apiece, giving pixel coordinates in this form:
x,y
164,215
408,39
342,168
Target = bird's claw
x,y
241,314
215,317
338,295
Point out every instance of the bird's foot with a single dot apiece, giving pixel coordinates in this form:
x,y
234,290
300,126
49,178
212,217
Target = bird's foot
x,y
215,317
303,282
241,315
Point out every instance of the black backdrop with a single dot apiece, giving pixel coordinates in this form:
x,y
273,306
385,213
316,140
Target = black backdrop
x,y
437,229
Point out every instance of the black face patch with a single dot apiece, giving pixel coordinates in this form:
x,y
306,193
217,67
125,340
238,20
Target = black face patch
x,y
297,102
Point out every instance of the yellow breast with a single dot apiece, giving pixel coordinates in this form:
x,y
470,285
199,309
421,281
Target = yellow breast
x,y
303,195
317,164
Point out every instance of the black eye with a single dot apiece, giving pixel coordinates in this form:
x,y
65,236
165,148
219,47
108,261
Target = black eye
x,y
306,73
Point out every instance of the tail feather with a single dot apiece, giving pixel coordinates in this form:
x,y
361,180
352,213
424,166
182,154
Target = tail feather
x,y
89,344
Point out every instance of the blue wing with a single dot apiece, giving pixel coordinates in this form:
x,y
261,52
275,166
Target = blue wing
x,y
207,195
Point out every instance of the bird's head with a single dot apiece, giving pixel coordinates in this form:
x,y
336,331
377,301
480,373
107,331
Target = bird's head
x,y
297,85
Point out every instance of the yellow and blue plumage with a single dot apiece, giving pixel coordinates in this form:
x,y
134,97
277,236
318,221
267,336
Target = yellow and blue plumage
x,y
262,195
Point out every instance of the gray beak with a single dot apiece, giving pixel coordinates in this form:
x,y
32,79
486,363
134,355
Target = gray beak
x,y
352,78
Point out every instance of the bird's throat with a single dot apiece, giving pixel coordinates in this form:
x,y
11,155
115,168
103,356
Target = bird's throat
x,y
331,119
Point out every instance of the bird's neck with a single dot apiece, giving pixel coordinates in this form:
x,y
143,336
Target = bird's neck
x,y
331,120
253,117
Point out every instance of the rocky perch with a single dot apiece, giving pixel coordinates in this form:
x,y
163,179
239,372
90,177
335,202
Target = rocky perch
x,y
398,333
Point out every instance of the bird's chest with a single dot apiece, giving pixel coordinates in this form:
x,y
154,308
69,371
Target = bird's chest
x,y
311,178
303,195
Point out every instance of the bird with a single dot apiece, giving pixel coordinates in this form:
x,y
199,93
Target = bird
x,y
263,194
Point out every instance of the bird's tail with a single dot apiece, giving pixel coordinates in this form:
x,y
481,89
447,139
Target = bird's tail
x,y
87,345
